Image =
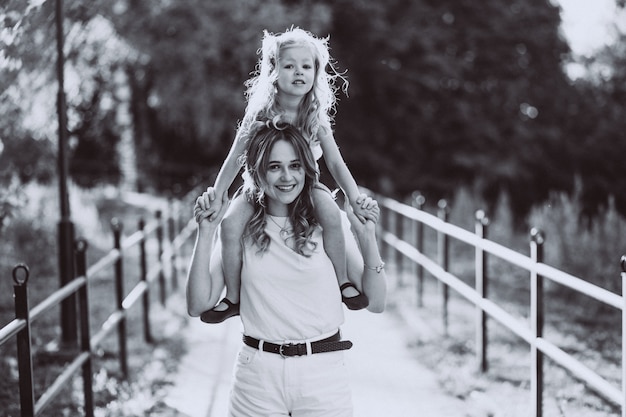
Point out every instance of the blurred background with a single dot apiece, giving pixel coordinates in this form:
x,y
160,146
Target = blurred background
x,y
518,101
514,107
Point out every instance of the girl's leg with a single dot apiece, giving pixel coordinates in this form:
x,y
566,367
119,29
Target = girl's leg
x,y
232,228
328,214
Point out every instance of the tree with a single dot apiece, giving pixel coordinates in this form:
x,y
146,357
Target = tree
x,y
453,93
188,87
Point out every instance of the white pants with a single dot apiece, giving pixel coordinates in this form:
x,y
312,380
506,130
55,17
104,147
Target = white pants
x,y
268,385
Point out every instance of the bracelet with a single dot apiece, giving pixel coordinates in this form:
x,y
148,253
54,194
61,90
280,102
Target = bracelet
x,y
376,268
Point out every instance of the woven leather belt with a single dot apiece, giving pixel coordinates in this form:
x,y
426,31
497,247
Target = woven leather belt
x,y
330,344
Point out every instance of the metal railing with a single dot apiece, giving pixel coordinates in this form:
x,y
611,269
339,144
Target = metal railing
x,y
394,239
167,252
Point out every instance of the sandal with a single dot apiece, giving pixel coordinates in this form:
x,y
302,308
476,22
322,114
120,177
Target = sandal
x,y
358,302
215,316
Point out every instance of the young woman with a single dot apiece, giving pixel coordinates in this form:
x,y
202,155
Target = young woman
x,y
291,362
293,86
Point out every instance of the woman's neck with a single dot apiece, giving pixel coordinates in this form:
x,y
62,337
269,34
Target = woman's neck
x,y
277,210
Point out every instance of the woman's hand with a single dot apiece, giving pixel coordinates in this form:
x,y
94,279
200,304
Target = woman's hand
x,y
363,228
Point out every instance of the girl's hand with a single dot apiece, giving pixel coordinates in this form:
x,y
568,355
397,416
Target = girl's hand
x,y
207,206
360,228
366,208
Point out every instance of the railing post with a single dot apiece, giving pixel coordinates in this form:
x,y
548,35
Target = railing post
x,y
443,255
159,233
116,225
380,227
80,252
399,231
24,358
482,223
143,276
173,254
623,276
418,203
537,318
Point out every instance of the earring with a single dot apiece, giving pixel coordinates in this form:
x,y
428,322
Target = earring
x,y
275,89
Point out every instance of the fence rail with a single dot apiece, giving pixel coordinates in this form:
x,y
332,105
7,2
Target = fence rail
x,y
167,252
394,237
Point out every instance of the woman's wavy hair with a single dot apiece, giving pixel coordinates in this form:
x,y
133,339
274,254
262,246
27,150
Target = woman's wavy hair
x,y
317,107
256,162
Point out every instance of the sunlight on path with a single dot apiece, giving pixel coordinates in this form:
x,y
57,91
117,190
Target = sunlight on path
x,y
387,380
204,375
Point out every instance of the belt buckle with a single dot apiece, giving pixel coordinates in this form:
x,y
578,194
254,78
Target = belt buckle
x,y
280,350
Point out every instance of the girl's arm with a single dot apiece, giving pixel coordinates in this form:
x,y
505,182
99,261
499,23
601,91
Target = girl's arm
x,y
204,282
227,173
363,206
336,165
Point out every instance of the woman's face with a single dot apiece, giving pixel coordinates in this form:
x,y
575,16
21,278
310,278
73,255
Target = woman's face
x,y
296,71
284,178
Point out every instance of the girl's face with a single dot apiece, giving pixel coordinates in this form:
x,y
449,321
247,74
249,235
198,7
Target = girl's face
x,y
296,71
284,178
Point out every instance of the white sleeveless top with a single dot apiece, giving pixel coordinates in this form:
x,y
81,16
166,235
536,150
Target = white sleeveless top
x,y
286,296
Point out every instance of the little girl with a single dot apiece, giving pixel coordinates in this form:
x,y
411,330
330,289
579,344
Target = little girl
x,y
291,85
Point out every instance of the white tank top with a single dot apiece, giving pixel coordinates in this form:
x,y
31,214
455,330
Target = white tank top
x,y
286,296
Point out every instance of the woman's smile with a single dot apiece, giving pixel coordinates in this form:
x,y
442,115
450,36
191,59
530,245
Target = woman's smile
x,y
285,178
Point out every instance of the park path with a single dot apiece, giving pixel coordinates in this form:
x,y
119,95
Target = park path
x,y
387,378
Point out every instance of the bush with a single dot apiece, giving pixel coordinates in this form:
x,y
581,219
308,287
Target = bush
x,y
29,232
587,248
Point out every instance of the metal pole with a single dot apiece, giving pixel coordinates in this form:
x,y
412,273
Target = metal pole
x,y
116,225
537,240
24,352
399,218
623,276
443,252
481,225
85,339
173,253
69,334
143,267
159,232
418,203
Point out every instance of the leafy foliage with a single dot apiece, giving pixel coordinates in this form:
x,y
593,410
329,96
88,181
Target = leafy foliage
x,y
442,94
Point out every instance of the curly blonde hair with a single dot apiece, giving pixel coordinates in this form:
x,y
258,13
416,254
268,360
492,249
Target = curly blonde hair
x,y
317,107
256,162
